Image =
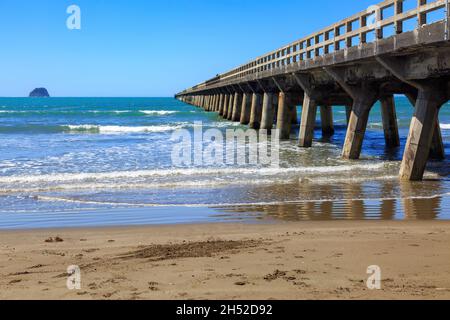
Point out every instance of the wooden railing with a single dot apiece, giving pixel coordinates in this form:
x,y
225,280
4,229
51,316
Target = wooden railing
x,y
347,33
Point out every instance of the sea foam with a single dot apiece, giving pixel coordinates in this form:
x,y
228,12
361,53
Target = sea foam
x,y
120,129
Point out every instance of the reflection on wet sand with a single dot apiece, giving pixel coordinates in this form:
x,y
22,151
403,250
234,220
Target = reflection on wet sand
x,y
347,201
416,208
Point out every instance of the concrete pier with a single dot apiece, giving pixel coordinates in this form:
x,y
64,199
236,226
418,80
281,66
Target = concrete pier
x,y
308,122
221,102
341,65
246,108
230,106
390,125
421,133
256,111
357,126
268,111
226,102
237,106
326,119
286,112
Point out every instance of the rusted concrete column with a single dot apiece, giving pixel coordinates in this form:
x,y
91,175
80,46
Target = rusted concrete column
x,y
230,106
326,119
308,121
284,120
421,134
256,111
357,125
268,111
246,108
237,106
390,125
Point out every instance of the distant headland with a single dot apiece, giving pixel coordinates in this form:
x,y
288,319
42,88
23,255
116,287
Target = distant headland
x,y
39,92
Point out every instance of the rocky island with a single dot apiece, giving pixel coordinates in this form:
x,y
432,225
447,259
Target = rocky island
x,y
39,92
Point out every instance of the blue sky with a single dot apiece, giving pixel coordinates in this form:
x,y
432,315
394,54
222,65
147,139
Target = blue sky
x,y
146,48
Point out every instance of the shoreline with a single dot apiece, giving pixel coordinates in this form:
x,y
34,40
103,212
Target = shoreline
x,y
281,260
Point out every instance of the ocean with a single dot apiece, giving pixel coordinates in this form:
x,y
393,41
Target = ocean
x,y
74,162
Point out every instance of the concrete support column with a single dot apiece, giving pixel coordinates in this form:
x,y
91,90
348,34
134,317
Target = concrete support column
x,y
220,108
268,111
437,151
237,106
256,111
226,99
206,106
357,125
284,120
246,108
326,119
421,134
308,121
390,125
230,107
208,103
348,113
212,103
216,109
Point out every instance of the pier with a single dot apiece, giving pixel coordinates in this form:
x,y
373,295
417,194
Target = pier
x,y
355,62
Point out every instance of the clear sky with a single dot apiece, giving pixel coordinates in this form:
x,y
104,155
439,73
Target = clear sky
x,y
146,47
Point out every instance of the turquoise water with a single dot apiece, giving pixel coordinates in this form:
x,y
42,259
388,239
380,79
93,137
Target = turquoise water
x,y
78,159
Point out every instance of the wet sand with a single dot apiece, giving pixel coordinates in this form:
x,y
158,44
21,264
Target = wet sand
x,y
295,260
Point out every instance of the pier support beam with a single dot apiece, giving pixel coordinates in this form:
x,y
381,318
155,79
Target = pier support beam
x,y
286,106
326,119
222,103
390,125
225,105
246,108
208,99
268,111
217,106
348,112
308,121
357,125
309,111
421,133
437,151
256,111
364,97
230,106
213,103
237,106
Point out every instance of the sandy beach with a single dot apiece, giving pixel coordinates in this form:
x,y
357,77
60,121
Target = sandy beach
x,y
304,260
